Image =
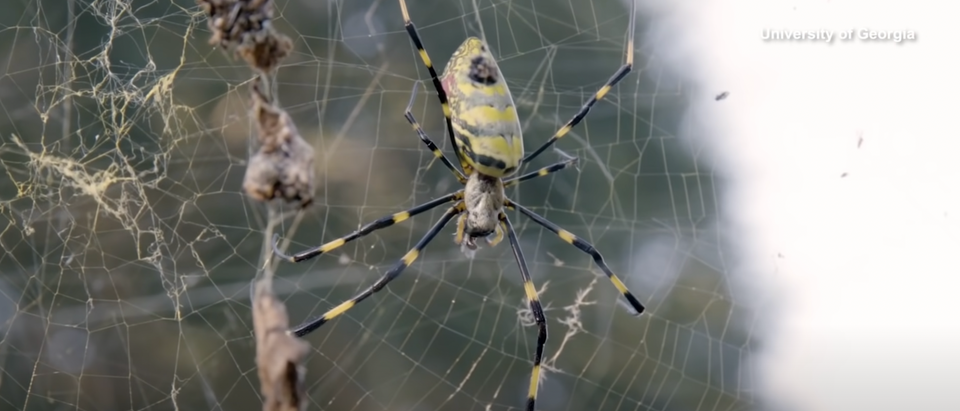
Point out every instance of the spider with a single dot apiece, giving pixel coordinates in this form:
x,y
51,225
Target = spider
x,y
484,128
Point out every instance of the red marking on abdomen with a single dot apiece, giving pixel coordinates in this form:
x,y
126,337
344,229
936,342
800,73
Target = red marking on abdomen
x,y
449,83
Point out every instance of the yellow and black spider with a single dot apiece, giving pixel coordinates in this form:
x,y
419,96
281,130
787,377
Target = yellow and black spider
x,y
483,125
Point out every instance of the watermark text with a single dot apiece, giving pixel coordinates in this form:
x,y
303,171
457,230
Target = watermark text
x,y
831,36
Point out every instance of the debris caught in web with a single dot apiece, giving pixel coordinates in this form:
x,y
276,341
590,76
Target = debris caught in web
x,y
556,261
280,355
244,27
283,165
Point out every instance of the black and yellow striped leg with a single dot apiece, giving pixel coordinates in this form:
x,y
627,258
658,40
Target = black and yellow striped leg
x,y
553,168
441,94
585,247
535,307
408,114
394,272
614,79
383,222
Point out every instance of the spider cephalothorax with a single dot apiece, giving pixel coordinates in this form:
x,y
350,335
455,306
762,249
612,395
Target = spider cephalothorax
x,y
483,200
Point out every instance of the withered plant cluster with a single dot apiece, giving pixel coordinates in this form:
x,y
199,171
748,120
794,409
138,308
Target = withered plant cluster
x,y
282,167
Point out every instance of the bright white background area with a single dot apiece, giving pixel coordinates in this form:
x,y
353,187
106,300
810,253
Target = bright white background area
x,y
864,267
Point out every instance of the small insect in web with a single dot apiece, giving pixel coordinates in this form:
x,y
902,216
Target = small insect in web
x,y
484,128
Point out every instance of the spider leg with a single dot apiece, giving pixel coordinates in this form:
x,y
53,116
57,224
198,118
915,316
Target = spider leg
x,y
600,94
394,272
535,307
408,114
441,93
553,168
586,248
383,222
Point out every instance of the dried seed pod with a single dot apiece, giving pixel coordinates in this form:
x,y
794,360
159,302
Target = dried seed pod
x,y
283,166
244,27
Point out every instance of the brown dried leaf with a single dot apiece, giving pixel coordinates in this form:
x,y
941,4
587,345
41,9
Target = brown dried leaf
x,y
280,355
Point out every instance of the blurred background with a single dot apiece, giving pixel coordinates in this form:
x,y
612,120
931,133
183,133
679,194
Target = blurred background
x,y
786,210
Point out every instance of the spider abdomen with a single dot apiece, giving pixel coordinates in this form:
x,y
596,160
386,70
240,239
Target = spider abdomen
x,y
484,117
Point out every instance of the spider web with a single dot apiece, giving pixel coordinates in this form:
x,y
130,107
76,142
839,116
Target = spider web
x,y
129,246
